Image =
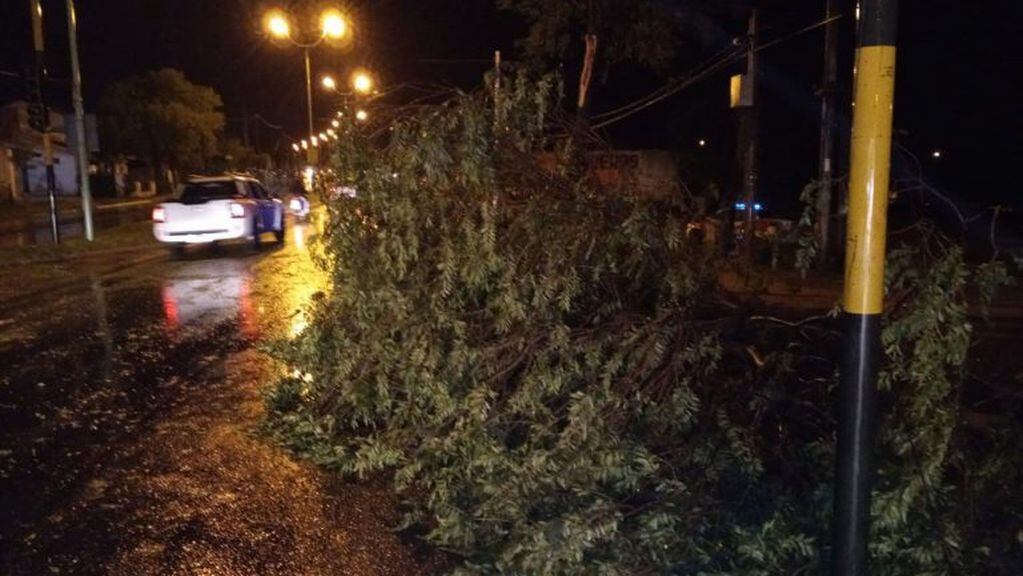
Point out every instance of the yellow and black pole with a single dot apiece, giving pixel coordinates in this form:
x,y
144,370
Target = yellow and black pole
x,y
864,280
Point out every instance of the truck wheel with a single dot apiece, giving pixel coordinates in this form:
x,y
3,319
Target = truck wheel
x,y
279,233
257,243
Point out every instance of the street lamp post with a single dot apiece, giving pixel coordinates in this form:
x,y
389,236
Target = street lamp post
x,y
81,151
333,26
308,89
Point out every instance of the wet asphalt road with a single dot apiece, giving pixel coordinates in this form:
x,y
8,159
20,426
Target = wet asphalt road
x,y
129,443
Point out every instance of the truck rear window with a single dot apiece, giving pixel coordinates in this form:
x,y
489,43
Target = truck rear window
x,y
199,192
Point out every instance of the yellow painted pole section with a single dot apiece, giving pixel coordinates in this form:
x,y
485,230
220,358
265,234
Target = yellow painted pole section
x,y
868,182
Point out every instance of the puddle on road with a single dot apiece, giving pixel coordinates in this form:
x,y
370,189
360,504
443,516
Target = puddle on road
x,y
125,431
93,368
207,292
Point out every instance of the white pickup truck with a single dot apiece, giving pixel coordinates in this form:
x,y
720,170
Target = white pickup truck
x,y
219,208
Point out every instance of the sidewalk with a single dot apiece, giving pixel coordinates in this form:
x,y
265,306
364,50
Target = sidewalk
x,y
783,288
35,212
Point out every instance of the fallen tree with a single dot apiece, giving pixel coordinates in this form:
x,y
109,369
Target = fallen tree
x,y
557,387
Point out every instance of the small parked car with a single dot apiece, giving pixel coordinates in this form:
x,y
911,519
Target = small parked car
x,y
212,209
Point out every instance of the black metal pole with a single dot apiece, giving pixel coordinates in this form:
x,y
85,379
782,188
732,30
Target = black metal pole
x,y
863,300
51,191
36,12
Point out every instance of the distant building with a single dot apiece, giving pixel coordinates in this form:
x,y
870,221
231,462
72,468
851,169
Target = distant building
x,y
22,166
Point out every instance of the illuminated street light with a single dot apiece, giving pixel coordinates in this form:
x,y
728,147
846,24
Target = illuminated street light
x,y
314,140
333,24
296,147
330,132
277,25
305,144
936,154
362,82
362,115
335,123
702,142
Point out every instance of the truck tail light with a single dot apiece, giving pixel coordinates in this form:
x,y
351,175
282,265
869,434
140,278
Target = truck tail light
x,y
159,214
237,210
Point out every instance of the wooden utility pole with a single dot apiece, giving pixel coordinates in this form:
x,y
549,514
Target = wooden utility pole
x,y
863,300
826,162
744,101
749,183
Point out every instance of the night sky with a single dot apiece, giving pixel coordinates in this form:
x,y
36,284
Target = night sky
x,y
957,84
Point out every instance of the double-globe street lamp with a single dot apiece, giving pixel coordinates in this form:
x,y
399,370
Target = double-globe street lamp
x,y
333,27
361,83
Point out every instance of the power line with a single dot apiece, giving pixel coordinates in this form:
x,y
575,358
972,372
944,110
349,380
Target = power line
x,y
698,73
267,123
709,62
679,86
800,32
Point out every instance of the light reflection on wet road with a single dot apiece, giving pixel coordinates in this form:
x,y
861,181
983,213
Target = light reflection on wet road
x,y
127,416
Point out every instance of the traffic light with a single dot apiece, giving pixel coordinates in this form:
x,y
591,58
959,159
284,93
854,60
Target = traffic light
x,y
38,115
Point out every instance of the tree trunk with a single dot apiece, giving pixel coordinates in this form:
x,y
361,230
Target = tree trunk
x,y
586,75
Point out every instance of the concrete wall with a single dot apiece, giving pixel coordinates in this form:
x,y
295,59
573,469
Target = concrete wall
x,y
650,173
64,170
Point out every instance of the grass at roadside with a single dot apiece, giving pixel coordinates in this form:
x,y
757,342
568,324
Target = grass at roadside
x,y
130,237
40,207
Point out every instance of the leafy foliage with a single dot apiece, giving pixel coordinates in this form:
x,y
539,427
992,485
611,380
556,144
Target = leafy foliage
x,y
240,157
164,117
807,244
637,31
549,373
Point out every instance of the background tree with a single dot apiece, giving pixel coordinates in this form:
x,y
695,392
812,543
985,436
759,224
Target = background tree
x,y
238,156
647,33
637,31
163,117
